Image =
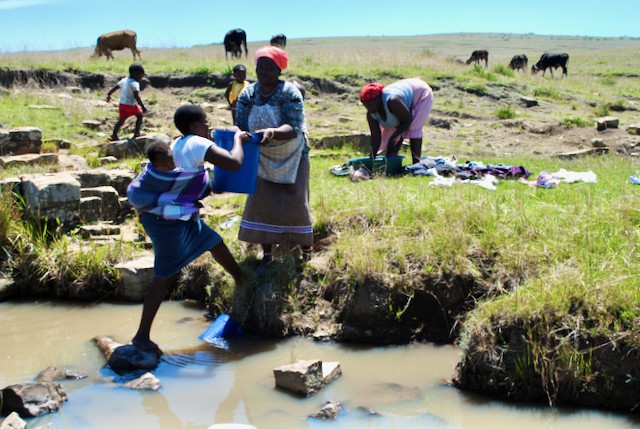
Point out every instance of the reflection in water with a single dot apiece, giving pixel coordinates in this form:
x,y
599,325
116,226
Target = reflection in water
x,y
383,387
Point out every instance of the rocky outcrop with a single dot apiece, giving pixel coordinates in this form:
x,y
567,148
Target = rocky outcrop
x,y
29,159
109,203
126,357
33,399
69,198
52,196
19,141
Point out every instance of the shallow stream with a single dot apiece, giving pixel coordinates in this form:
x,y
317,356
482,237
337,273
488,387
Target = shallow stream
x,y
203,385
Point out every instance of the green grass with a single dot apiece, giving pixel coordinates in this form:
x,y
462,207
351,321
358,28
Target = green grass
x,y
507,112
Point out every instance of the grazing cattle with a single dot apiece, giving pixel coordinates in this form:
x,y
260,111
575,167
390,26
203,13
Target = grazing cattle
x,y
551,61
233,41
519,62
477,56
116,41
279,40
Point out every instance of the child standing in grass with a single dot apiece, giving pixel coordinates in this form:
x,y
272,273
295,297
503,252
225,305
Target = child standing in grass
x,y
235,88
129,95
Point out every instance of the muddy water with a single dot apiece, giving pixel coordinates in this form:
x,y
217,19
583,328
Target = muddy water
x,y
202,385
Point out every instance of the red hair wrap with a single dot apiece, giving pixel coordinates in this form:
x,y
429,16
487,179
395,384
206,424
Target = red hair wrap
x,y
276,54
371,91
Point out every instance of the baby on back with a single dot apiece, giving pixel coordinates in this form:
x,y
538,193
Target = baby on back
x,y
160,157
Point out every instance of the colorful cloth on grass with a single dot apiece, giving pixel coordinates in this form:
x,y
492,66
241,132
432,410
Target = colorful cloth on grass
x,y
172,195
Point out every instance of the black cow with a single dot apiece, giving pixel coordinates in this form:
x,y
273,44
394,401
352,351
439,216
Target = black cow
x,y
233,41
477,56
551,61
279,40
519,62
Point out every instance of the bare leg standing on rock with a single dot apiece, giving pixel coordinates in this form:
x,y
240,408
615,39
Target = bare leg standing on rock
x,y
156,293
159,288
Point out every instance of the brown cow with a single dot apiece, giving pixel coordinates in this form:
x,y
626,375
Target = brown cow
x,y
116,41
477,56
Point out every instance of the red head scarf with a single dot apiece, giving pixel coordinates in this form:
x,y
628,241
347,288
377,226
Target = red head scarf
x,y
371,91
276,54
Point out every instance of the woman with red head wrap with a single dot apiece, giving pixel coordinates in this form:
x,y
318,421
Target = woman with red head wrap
x,y
278,212
395,112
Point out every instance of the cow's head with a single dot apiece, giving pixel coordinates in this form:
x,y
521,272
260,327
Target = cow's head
x,y
97,52
534,69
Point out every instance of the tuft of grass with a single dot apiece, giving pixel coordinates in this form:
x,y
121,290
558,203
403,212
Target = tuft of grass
x,y
506,112
546,92
503,70
483,73
577,122
602,110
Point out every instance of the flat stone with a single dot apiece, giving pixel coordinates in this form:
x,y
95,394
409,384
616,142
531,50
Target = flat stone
x,y
29,159
13,421
634,129
306,377
107,160
136,277
145,382
607,122
92,124
99,229
52,373
329,411
584,152
60,143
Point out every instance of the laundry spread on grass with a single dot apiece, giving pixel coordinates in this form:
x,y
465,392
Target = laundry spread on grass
x,y
446,172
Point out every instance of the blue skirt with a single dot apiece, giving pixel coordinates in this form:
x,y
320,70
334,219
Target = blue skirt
x,y
177,243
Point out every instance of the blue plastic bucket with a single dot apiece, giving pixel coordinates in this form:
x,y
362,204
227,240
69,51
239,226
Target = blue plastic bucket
x,y
223,327
242,181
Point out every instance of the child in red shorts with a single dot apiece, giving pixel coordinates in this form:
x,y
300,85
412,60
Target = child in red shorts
x,y
129,94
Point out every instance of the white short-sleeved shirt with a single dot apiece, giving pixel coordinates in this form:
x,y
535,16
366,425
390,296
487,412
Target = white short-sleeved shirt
x,y
127,86
189,151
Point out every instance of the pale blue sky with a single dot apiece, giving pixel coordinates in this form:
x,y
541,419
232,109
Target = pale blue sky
x,y
29,25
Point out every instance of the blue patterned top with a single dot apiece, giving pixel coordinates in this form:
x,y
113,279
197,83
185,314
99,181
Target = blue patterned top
x,y
286,96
